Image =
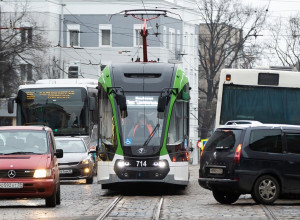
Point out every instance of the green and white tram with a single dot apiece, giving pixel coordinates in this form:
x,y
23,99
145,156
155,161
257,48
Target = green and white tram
x,y
143,124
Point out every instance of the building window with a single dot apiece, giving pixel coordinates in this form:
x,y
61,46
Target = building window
x,y
172,39
105,36
178,40
137,38
73,37
26,72
26,35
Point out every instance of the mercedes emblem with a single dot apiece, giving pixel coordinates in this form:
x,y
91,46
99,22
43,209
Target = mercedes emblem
x,y
11,174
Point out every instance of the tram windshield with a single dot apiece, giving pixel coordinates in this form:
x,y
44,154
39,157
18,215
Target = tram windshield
x,y
141,127
63,109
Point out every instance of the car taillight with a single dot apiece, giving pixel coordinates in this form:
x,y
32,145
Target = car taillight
x,y
237,154
201,150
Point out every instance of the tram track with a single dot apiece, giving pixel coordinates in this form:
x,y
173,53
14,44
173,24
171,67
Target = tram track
x,y
268,212
155,215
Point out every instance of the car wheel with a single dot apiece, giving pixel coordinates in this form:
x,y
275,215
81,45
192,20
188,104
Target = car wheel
x,y
90,180
51,201
58,199
225,197
266,190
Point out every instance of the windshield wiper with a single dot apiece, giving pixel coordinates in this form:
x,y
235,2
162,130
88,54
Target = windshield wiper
x,y
151,135
21,152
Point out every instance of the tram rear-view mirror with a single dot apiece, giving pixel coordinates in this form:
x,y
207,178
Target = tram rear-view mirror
x,y
10,105
121,100
162,102
92,103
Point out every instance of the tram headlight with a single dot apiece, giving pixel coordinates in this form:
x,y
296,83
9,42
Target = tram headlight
x,y
160,164
122,163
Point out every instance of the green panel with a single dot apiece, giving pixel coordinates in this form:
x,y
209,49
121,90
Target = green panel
x,y
105,81
180,81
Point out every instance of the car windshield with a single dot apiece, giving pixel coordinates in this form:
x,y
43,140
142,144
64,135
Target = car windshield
x,y
223,139
71,146
23,142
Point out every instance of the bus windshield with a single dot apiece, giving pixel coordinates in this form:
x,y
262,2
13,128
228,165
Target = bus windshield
x,y
260,103
62,109
141,127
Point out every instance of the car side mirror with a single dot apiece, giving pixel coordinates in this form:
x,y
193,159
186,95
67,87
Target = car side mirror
x,y
59,153
10,105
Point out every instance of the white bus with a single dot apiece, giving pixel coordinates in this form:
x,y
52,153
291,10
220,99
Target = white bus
x,y
68,106
264,95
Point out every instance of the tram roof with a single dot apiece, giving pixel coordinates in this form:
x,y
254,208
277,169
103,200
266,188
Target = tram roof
x,y
143,76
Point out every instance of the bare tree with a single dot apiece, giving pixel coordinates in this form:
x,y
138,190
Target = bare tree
x,y
285,41
21,43
224,41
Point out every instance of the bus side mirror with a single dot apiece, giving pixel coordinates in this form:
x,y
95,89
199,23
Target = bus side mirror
x,y
10,105
162,102
92,103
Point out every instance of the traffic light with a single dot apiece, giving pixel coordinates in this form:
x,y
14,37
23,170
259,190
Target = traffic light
x,y
73,71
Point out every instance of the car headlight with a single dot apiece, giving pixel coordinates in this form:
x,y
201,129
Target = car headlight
x,y
86,161
42,173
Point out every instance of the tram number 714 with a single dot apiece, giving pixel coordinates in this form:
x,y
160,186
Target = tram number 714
x,y
141,163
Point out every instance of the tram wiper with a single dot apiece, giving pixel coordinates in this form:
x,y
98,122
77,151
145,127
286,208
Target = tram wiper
x,y
151,135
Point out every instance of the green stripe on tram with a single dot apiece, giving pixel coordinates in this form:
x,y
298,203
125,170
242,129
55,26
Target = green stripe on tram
x,y
179,82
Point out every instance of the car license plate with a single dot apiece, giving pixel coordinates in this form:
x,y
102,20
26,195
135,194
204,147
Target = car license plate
x,y
66,171
11,185
216,170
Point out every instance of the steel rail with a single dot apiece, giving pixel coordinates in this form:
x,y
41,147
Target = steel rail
x,y
268,212
109,208
157,209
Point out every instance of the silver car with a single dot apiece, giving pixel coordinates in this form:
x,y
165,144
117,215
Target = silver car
x,y
77,162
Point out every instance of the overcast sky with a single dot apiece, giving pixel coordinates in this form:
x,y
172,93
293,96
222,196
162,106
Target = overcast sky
x,y
278,8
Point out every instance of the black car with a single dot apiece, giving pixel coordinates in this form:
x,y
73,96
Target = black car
x,y
261,160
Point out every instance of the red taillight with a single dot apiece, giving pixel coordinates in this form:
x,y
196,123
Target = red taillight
x,y
174,159
237,154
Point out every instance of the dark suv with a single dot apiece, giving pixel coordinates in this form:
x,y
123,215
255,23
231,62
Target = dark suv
x,y
261,160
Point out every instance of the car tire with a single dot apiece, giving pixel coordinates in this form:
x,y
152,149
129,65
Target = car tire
x,y
51,201
90,180
58,199
225,197
266,190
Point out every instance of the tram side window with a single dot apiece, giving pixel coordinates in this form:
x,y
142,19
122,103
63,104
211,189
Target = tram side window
x,y
175,133
107,129
178,129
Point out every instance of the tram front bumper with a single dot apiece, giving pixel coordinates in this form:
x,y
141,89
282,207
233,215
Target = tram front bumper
x,y
157,170
108,174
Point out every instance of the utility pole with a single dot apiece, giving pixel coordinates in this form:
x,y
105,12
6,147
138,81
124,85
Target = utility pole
x,y
61,38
